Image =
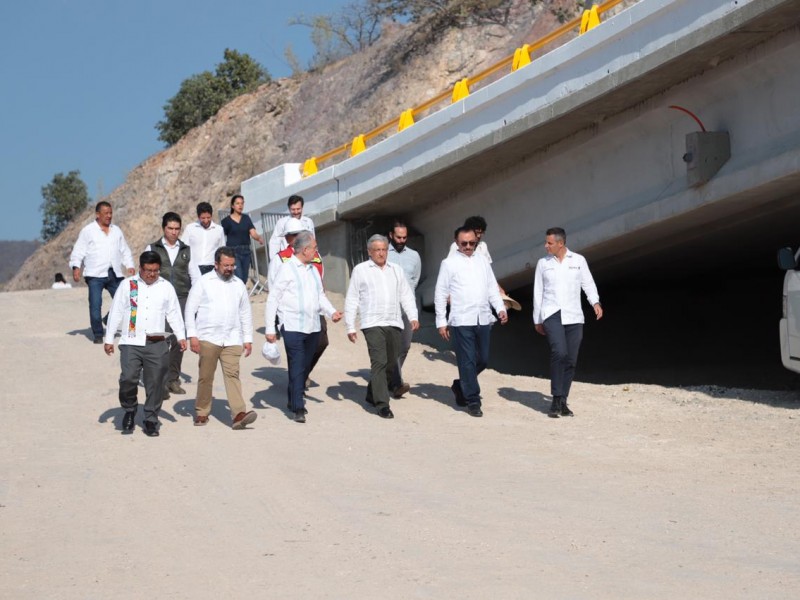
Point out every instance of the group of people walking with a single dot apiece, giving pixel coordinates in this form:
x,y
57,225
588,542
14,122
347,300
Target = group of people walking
x,y
191,293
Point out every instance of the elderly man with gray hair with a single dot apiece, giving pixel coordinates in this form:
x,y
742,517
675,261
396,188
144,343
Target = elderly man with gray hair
x,y
378,290
297,298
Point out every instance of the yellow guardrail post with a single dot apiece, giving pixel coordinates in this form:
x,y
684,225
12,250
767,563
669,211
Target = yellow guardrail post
x,y
358,145
310,167
522,57
460,91
590,19
406,119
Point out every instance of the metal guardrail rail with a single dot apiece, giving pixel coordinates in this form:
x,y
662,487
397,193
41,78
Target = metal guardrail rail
x,y
589,19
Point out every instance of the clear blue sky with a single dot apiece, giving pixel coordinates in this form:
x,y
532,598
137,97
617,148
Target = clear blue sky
x,y
85,82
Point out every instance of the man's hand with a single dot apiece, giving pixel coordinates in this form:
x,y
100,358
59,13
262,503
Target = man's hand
x,y
271,338
336,317
445,333
248,348
539,329
598,311
503,316
352,337
76,274
109,349
414,325
194,345
182,344
131,271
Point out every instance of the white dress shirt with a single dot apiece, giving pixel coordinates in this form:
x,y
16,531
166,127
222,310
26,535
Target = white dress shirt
x,y
557,287
470,284
410,262
154,304
204,242
218,311
481,248
297,298
277,241
98,251
377,294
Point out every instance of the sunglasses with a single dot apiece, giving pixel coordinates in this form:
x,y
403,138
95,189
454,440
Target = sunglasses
x,y
467,244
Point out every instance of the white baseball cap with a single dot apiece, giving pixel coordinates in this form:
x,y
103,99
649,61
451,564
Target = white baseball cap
x,y
294,226
271,352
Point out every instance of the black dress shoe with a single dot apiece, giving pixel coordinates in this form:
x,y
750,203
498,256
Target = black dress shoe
x,y
456,387
555,408
385,412
565,411
474,410
127,422
150,429
98,339
300,416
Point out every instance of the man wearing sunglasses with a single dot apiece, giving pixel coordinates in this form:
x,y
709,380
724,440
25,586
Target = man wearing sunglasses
x,y
466,278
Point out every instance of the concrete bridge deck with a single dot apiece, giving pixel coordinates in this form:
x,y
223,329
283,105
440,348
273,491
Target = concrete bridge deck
x,y
583,138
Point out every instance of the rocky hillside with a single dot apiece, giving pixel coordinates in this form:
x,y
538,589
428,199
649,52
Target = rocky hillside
x,y
290,120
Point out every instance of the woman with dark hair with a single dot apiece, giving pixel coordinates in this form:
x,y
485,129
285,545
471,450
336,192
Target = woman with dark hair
x,y
239,228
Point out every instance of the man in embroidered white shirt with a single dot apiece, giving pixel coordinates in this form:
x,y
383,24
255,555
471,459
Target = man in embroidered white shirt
x,y
298,298
557,314
277,241
141,306
219,325
467,279
377,292
204,237
103,251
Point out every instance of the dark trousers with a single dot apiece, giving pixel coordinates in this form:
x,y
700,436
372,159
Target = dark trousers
x,y
300,349
175,354
565,341
322,343
383,345
405,346
96,286
152,361
471,345
242,269
205,269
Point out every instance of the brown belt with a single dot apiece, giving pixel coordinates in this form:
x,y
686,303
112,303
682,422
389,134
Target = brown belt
x,y
155,338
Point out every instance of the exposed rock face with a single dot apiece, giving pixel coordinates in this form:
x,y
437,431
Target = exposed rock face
x,y
293,119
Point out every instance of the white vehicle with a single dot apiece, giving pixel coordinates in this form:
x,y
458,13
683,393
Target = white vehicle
x,y
790,323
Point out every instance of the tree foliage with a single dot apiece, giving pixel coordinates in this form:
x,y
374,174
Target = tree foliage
x,y
358,25
201,96
64,197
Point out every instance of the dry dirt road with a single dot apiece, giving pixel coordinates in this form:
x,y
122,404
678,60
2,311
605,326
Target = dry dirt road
x,y
649,492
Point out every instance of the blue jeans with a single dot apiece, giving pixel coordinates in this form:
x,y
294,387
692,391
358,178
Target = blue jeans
x,y
471,345
300,348
242,268
96,286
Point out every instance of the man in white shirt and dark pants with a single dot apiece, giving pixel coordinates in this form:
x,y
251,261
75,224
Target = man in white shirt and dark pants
x,y
557,314
277,241
408,260
467,279
219,325
297,298
141,306
204,237
103,251
377,292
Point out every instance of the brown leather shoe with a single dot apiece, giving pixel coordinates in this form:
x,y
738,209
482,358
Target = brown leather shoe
x,y
244,418
200,420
